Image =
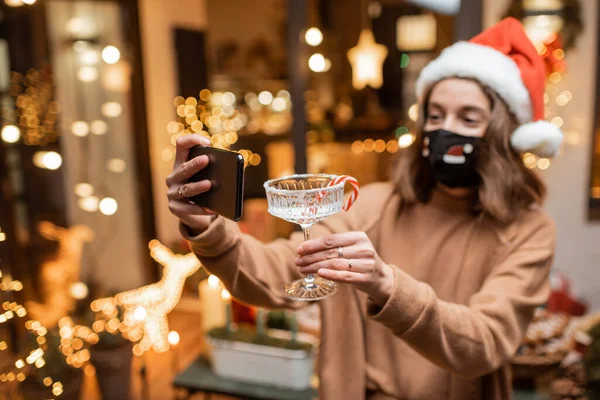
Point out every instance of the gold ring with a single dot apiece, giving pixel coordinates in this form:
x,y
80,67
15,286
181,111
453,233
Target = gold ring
x,y
340,252
179,192
349,264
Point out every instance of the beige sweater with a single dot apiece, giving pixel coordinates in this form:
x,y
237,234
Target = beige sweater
x,y
465,290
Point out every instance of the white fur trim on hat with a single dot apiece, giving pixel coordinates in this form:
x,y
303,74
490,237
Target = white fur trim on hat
x,y
540,138
485,64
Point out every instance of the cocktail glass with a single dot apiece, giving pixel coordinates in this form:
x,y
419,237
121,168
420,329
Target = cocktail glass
x,y
306,200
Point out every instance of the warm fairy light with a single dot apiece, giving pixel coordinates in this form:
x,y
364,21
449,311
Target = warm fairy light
x,y
116,165
555,77
316,62
543,163
561,100
367,61
279,104
111,109
557,121
108,206
80,128
413,112
19,364
10,134
78,290
14,3
173,338
405,140
84,189
111,55
139,313
530,160
98,127
357,147
89,57
2,236
47,160
265,98
379,146
205,95
213,281
225,295
87,74
392,146
167,154
228,99
89,203
313,36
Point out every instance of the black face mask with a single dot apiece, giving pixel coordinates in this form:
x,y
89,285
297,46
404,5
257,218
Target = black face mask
x,y
452,157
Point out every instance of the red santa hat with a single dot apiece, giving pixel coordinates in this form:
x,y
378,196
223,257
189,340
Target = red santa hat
x,y
504,59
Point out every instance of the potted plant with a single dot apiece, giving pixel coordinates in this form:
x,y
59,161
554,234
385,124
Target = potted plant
x,y
251,354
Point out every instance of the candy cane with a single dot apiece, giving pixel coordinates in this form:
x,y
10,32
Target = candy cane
x,y
355,188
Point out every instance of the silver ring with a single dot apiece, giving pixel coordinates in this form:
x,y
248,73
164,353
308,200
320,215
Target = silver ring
x,y
349,264
340,252
179,192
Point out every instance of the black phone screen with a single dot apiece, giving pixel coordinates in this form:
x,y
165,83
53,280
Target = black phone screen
x,y
225,171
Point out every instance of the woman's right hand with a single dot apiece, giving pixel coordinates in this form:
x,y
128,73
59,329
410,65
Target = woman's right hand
x,y
194,217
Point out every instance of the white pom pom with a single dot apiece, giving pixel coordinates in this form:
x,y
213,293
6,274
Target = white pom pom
x,y
540,138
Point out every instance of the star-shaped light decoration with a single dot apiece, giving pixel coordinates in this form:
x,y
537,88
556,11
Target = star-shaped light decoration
x,y
367,61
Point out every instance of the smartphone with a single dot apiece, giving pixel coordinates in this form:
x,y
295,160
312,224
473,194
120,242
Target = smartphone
x,y
225,171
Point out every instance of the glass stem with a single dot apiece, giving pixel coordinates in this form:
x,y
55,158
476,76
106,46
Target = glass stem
x,y
309,280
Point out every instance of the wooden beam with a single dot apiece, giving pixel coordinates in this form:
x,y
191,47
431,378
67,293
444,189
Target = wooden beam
x,y
298,77
469,21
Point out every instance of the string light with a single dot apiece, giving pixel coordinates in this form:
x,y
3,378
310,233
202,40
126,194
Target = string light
x,y
265,98
89,203
316,62
47,160
87,74
313,36
111,54
80,128
35,355
10,133
108,206
116,165
98,127
413,112
84,189
405,140
111,109
36,114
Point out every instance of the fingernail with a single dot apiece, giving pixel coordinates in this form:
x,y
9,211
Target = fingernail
x,y
205,141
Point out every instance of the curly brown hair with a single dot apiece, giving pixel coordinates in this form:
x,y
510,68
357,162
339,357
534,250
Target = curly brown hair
x,y
507,186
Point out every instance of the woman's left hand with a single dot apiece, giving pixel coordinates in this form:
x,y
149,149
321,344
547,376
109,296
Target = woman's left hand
x,y
348,258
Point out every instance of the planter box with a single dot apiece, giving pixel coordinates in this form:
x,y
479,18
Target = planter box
x,y
262,364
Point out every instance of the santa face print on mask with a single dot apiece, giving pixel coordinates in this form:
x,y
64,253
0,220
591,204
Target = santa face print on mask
x,y
452,157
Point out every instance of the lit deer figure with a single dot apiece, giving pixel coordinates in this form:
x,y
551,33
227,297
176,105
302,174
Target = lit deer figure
x,y
60,273
149,305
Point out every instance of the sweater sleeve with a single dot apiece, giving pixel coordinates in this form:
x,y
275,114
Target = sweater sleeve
x,y
255,272
481,336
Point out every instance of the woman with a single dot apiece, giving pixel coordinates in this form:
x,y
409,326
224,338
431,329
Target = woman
x,y
448,262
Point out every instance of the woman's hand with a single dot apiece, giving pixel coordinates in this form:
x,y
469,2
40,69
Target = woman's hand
x,y
196,218
359,264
